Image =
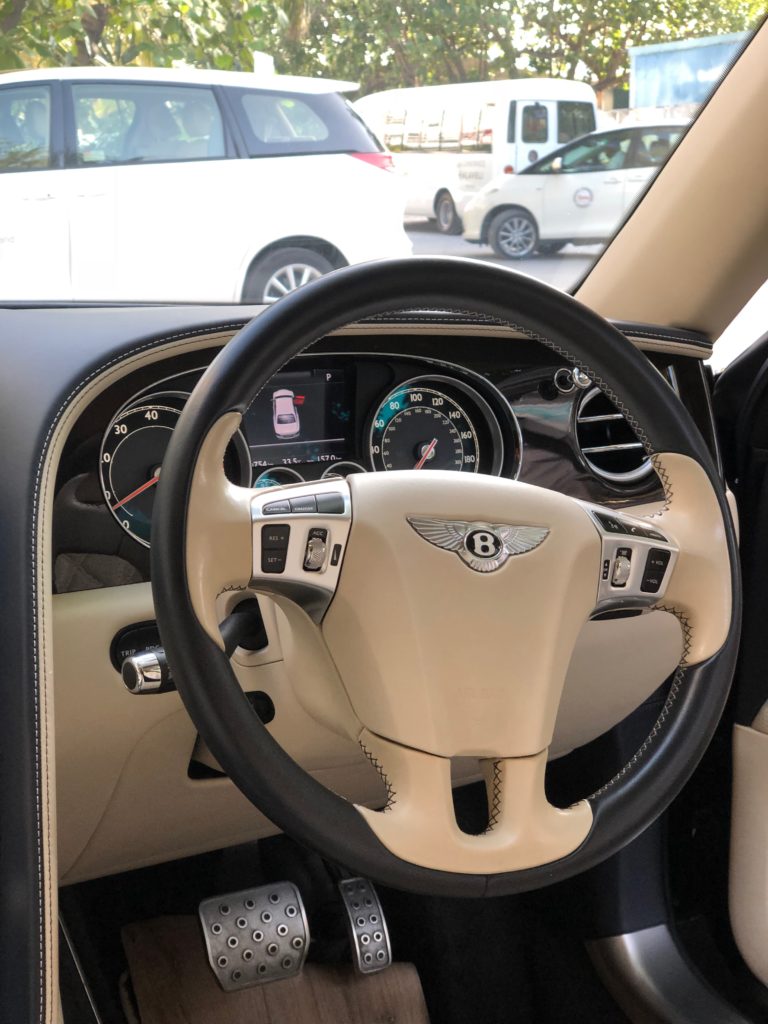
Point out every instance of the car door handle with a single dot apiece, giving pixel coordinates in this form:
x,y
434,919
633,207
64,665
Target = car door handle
x,y
38,199
640,178
91,195
611,181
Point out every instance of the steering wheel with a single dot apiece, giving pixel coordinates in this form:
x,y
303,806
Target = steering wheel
x,y
434,614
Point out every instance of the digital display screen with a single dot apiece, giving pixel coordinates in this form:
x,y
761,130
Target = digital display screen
x,y
301,416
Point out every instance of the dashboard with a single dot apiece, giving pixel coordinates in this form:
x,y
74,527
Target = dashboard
x,y
351,404
419,390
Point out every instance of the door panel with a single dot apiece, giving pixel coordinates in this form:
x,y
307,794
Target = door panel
x,y
34,230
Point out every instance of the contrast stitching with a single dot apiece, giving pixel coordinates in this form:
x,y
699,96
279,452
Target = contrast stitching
x,y
156,342
391,794
666,486
575,361
495,811
672,696
682,339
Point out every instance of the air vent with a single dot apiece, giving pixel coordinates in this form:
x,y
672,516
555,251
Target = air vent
x,y
608,444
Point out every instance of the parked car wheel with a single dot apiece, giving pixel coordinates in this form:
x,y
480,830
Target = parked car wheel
x,y
550,248
448,220
513,234
281,272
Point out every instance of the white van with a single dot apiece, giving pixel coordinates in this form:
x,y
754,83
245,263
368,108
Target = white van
x,y
155,184
450,140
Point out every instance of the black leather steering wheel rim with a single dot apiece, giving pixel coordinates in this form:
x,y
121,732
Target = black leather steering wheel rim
x,y
279,787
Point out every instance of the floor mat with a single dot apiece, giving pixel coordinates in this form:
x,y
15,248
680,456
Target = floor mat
x,y
174,984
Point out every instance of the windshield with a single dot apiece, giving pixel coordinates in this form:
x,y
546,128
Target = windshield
x,y
223,151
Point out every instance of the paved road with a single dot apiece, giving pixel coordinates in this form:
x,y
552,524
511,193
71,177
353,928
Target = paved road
x,y
562,271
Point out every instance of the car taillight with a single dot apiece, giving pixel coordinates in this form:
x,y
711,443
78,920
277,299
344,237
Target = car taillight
x,y
509,169
382,160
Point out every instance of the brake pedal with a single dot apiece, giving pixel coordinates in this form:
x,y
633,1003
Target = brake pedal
x,y
256,935
368,929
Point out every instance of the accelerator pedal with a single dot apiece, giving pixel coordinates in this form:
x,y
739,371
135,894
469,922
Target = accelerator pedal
x,y
256,935
368,929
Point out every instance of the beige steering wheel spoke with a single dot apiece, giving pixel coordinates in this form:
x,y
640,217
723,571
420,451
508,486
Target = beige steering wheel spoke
x,y
419,823
699,587
675,560
219,532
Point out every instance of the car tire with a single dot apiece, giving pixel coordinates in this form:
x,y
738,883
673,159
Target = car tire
x,y
550,248
513,234
281,272
448,220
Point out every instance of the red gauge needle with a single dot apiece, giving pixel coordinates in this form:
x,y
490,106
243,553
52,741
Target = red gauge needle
x,y
427,452
136,493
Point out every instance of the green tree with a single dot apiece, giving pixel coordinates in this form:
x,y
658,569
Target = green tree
x,y
378,43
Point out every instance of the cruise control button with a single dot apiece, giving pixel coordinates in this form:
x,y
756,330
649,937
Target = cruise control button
x,y
275,536
277,508
317,546
273,561
331,503
655,567
304,505
609,524
655,535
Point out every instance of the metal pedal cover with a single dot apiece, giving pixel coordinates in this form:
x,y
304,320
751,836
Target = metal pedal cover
x,y
370,938
256,935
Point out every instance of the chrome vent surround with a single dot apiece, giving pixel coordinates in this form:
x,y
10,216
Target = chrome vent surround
x,y
606,441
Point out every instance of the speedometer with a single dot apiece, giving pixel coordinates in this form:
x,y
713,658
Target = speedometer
x,y
430,423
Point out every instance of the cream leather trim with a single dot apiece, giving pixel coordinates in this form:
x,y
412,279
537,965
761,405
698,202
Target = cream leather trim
x,y
219,529
648,648
748,876
661,267
42,529
699,591
419,824
645,342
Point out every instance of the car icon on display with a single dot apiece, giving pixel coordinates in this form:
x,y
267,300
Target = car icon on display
x,y
285,418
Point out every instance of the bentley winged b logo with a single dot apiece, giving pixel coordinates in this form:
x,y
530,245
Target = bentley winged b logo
x,y
483,546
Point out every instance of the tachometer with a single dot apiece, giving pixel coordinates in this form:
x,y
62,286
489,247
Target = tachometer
x,y
131,458
424,424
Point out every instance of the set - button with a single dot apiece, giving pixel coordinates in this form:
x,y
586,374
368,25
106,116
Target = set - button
x,y
274,547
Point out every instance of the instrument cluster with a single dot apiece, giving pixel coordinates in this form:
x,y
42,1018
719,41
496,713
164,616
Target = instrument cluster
x,y
320,417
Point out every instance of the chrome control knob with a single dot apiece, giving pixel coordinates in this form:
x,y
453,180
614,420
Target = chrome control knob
x,y
147,672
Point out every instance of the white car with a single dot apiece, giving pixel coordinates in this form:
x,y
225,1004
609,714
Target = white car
x,y
579,193
285,417
156,184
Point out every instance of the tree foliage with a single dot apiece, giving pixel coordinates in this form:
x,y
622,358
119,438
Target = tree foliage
x,y
380,44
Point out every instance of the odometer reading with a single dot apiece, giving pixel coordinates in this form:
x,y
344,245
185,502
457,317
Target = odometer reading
x,y
421,427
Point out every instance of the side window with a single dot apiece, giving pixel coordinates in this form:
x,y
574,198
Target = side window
x,y
535,123
145,123
295,124
25,128
574,119
654,146
599,153
511,122
282,119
